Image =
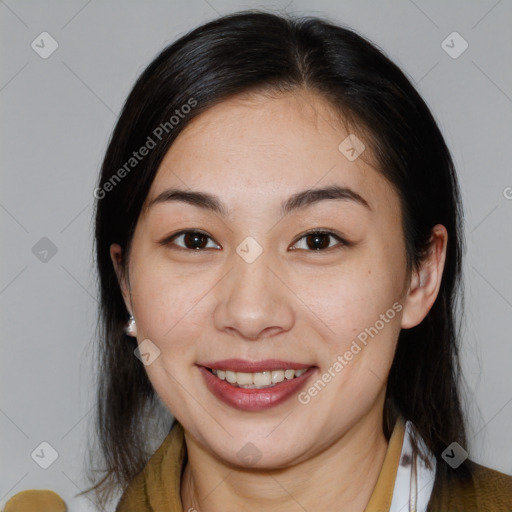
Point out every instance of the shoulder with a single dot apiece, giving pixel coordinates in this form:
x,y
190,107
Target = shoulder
x,y
479,489
136,496
157,486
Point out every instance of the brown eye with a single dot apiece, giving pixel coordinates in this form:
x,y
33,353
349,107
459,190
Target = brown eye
x,y
191,240
195,240
319,241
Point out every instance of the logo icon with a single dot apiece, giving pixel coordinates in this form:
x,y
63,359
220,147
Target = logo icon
x,y
249,250
44,250
351,147
44,455
249,454
147,352
44,45
454,455
454,45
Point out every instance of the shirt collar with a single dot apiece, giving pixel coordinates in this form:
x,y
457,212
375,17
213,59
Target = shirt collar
x,y
160,480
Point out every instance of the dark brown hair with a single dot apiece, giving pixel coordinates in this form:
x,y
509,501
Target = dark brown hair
x,y
256,51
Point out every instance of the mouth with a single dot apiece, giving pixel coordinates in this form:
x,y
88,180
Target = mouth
x,y
270,382
257,380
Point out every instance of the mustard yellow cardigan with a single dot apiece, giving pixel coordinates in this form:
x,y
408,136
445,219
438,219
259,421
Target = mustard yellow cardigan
x,y
157,487
149,491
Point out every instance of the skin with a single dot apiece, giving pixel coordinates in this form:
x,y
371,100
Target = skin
x,y
303,305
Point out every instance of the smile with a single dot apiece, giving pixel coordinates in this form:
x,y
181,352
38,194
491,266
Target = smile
x,y
255,386
257,380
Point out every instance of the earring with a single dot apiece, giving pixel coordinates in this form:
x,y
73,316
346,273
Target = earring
x,y
130,327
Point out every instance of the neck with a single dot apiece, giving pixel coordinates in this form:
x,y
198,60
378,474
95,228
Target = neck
x,y
345,473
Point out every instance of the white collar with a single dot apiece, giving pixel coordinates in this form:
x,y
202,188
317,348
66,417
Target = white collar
x,y
414,480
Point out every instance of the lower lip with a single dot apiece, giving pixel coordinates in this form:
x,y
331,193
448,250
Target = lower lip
x,y
253,399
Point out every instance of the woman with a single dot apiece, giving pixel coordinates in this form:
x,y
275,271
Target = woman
x,y
279,244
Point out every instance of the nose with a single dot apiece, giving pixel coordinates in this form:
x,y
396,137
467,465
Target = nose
x,y
253,302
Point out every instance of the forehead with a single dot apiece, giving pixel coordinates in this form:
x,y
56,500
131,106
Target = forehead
x,y
261,146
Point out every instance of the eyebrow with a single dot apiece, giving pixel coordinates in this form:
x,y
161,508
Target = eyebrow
x,y
299,200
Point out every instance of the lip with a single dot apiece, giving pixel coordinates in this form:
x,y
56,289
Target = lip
x,y
242,365
252,400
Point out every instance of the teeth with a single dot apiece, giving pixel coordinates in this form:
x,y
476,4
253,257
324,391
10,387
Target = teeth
x,y
259,379
277,376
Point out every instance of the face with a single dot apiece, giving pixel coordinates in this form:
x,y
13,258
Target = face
x,y
315,286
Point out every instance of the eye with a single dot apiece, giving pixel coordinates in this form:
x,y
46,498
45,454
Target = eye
x,y
195,240
319,241
191,240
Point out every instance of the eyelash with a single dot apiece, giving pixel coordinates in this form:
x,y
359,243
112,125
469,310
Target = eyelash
x,y
168,241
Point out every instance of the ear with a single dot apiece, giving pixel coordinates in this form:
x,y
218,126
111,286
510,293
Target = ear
x,y
116,254
425,282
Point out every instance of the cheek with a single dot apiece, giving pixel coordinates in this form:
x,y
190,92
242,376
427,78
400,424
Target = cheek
x,y
364,321
350,299
360,305
168,303
172,315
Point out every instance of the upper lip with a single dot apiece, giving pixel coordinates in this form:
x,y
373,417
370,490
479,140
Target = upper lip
x,y
243,365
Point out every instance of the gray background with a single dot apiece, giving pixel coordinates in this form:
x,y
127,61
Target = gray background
x,y
57,115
